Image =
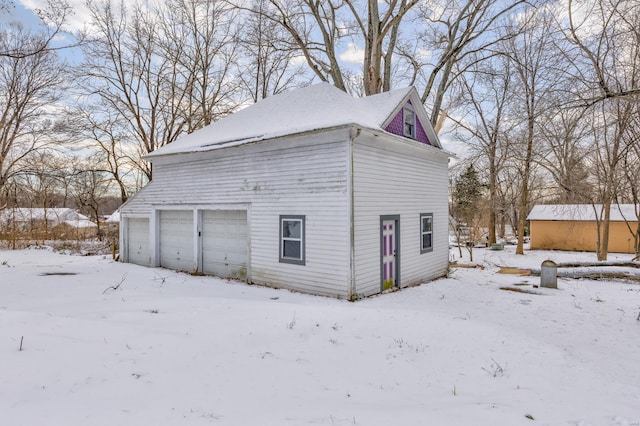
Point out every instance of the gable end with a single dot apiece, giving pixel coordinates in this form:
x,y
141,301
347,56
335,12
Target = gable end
x,y
397,125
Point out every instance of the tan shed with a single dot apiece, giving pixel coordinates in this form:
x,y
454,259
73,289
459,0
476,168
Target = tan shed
x,y
573,227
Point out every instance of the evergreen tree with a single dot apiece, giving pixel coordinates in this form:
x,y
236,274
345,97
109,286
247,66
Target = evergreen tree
x,y
466,195
466,207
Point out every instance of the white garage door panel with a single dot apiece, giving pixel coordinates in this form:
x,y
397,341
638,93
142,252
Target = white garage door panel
x,y
176,240
138,241
224,243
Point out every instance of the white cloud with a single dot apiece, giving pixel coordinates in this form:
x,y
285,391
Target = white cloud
x,y
423,55
298,60
77,21
354,54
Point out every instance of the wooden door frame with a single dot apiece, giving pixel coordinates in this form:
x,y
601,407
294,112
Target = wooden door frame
x,y
396,234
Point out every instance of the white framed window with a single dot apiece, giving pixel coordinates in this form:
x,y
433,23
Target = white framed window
x,y
409,119
292,239
426,232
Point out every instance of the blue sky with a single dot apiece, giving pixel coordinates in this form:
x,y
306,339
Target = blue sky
x,y
17,12
22,11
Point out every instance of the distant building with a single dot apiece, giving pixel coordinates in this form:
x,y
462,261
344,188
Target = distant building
x,y
113,221
573,227
41,221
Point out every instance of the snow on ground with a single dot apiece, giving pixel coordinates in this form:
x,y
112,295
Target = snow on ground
x,y
116,344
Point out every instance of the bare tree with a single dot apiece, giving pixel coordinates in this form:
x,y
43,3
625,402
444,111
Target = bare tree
x,y
40,181
199,39
607,35
91,188
53,18
124,72
101,131
39,178
30,87
536,74
266,64
629,191
160,71
486,127
313,29
319,29
380,31
609,152
608,40
564,134
459,34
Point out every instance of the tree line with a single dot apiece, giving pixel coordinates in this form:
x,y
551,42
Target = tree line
x,y
540,96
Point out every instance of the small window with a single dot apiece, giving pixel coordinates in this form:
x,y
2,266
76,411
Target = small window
x,y
426,232
292,239
409,121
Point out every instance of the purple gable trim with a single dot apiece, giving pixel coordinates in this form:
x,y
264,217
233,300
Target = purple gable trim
x,y
396,126
421,135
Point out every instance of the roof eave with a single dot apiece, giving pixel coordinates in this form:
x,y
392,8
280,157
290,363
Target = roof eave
x,y
230,144
412,142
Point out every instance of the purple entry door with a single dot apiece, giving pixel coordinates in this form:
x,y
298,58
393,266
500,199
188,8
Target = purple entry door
x,y
388,254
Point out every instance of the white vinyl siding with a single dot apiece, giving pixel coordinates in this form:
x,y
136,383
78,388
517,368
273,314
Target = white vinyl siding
x,y
138,241
225,243
305,176
310,176
397,177
176,240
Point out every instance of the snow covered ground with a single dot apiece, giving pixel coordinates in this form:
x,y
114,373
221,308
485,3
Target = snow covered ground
x,y
105,343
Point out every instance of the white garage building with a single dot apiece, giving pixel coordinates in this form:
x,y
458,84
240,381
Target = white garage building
x,y
312,190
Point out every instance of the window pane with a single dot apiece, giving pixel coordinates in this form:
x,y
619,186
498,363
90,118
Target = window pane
x,y
408,130
291,249
408,116
426,224
409,122
426,241
291,228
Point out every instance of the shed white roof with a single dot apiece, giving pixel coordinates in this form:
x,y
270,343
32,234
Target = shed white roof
x,y
28,214
315,107
114,217
582,212
54,215
81,222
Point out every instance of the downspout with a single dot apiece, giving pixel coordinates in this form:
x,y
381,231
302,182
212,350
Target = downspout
x,y
354,133
123,235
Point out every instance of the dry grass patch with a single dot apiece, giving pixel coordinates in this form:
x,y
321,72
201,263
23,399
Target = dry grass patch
x,y
515,271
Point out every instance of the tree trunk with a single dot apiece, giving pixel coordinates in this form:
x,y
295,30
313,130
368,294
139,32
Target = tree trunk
x,y
525,180
603,243
636,241
492,195
525,184
373,51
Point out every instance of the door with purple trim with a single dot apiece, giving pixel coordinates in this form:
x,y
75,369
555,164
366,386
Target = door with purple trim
x,y
389,228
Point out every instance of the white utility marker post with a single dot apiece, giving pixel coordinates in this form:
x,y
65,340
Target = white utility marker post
x,y
549,274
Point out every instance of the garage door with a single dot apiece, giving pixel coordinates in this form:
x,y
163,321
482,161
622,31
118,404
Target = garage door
x,y
224,243
138,241
176,240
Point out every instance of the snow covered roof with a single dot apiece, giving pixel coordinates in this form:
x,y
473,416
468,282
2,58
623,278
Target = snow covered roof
x,y
80,223
54,215
114,217
28,214
315,107
581,212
